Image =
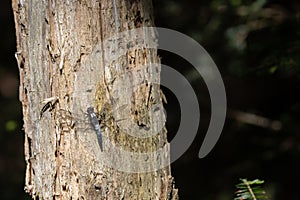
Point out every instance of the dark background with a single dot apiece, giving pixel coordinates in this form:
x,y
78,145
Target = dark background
x,y
256,46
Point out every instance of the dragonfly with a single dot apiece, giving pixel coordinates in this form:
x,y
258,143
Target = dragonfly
x,y
86,121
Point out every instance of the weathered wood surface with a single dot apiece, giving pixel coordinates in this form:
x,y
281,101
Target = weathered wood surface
x,y
65,51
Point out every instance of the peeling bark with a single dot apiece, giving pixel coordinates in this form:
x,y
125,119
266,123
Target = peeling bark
x,y
67,59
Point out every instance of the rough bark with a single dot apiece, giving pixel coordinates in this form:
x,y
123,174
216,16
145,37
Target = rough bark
x,y
65,53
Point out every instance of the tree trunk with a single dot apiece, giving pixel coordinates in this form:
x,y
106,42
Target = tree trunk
x,y
70,59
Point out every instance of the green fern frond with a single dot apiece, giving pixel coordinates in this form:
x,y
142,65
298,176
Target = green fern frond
x,y
250,190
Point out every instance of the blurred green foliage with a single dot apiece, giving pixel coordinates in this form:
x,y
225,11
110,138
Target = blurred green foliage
x,y
256,46
250,190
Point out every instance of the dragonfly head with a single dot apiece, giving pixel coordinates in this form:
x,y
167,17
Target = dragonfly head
x,y
90,110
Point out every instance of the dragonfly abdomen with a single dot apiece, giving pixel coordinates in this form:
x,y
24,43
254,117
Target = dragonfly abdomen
x,y
94,121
